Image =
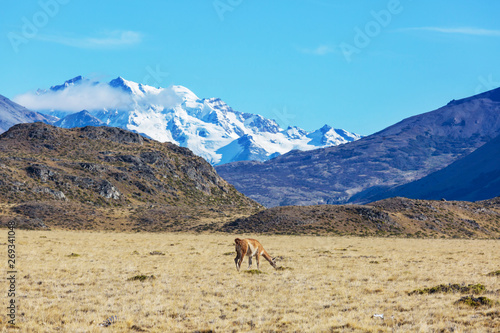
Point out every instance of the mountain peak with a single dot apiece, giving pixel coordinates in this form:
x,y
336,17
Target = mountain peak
x,y
120,82
325,128
71,82
133,88
79,119
184,93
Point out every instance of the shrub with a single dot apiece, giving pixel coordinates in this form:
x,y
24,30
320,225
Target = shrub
x,y
281,268
475,301
142,278
451,288
254,271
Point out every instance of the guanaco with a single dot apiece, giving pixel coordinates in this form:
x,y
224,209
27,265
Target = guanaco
x,y
251,247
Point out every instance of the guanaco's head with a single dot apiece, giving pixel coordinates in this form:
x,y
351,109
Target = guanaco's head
x,y
273,262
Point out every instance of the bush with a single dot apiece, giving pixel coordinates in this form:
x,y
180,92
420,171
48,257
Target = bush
x,y
451,288
475,301
254,271
142,278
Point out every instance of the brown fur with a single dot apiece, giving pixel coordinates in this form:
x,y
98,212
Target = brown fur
x,y
250,247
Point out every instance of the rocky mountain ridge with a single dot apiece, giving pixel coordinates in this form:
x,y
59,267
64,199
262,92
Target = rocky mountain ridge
x,y
105,178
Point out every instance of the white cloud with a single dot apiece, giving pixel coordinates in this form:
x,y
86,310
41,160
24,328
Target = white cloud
x,y
166,98
460,30
89,95
84,96
107,40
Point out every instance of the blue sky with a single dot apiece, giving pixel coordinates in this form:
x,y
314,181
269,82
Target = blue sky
x,y
357,65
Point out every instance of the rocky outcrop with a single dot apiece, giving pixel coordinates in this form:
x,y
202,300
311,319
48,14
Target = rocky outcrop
x,y
110,168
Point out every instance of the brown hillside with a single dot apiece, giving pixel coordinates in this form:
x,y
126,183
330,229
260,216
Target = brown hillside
x,y
390,217
108,178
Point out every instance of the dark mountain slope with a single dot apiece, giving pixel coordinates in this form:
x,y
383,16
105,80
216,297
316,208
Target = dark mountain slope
x,y
109,178
12,113
472,178
404,152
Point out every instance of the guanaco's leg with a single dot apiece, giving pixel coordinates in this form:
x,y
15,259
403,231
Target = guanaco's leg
x,y
257,258
240,255
236,260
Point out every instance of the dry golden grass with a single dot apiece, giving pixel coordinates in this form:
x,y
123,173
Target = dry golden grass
x,y
71,281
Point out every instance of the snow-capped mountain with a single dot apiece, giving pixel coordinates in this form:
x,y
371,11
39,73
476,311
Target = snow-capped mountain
x,y
78,119
208,126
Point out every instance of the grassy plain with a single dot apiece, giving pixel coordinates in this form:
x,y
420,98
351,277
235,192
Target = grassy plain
x,y
71,281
